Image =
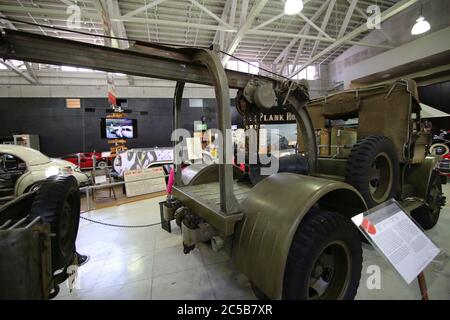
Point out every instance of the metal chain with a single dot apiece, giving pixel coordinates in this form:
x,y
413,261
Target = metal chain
x,y
120,226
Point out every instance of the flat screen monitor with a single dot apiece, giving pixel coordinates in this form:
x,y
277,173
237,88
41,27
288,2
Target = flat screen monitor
x,y
119,128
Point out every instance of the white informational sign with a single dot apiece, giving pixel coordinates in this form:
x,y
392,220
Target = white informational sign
x,y
143,184
194,148
399,239
101,179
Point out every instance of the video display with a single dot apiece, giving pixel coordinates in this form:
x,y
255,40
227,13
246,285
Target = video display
x,y
120,128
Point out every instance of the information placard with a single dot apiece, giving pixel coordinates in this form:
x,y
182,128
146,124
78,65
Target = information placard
x,y
138,182
397,237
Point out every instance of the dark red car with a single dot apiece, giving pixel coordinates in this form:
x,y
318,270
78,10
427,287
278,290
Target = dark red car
x,y
85,160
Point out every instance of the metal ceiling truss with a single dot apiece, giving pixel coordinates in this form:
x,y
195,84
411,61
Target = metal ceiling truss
x,y
238,26
395,9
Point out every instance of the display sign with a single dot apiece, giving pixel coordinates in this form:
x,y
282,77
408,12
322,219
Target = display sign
x,y
139,182
194,148
403,244
278,116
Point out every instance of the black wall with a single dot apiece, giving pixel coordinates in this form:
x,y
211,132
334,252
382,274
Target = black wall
x,y
64,131
437,96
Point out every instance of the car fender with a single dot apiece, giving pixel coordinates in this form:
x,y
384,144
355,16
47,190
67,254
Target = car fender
x,y
273,210
26,180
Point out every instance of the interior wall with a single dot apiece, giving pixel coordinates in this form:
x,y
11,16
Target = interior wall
x,y
395,31
64,131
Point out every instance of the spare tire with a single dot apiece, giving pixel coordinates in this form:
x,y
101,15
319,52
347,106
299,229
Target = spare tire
x,y
373,169
57,202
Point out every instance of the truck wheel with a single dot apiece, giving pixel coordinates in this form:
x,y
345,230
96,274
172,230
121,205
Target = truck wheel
x,y
325,259
373,169
427,215
57,202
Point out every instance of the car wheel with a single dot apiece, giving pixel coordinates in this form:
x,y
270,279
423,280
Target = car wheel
x,y
101,165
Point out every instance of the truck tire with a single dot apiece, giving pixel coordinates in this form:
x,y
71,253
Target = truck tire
x,y
427,215
373,169
57,202
325,259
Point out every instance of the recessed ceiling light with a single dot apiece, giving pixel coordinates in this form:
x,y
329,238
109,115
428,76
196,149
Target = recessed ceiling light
x,y
292,7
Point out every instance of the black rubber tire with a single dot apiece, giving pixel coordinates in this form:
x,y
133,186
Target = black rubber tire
x,y
57,202
424,215
318,230
361,158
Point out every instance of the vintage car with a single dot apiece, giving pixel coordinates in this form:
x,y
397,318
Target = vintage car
x,y
85,160
23,169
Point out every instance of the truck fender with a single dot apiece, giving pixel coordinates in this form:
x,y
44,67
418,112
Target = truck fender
x,y
419,175
273,211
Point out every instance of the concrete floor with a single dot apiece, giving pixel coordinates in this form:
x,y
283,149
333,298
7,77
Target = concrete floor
x,y
148,263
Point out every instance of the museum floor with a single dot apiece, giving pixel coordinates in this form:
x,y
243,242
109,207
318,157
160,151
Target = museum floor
x,y
148,263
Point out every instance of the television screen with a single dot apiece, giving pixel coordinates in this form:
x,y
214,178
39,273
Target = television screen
x,y
119,128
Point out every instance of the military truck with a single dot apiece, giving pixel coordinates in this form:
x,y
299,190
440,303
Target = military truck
x,y
291,232
387,152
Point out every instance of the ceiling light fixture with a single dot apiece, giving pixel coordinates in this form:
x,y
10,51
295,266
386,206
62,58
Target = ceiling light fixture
x,y
421,25
292,7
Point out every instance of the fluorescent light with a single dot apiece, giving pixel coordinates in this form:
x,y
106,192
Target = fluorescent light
x,y
292,7
421,26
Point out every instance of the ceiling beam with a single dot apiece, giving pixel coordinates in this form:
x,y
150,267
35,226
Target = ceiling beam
x,y
232,16
141,9
210,13
30,69
265,23
174,23
347,18
315,26
325,20
309,37
113,9
392,11
219,36
256,10
303,31
19,72
244,12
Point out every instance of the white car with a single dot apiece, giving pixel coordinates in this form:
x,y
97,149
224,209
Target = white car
x,y
22,169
